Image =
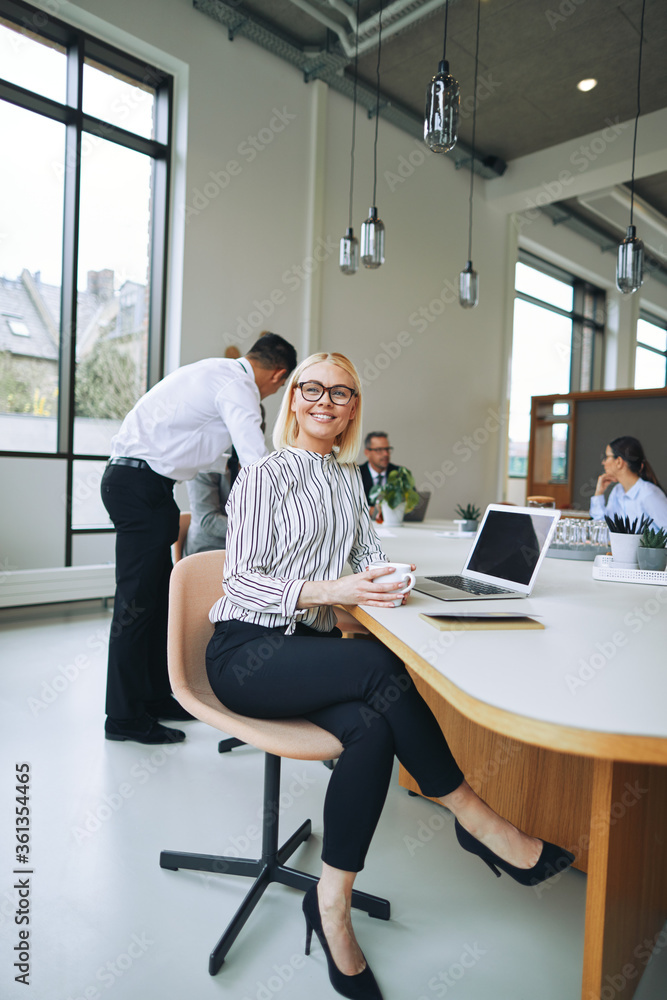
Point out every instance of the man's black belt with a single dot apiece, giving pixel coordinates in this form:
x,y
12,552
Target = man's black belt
x,y
136,463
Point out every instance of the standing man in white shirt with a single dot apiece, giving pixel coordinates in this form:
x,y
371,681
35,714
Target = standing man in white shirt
x,y
185,424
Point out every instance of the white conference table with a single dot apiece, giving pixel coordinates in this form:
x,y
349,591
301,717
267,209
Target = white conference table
x,y
578,709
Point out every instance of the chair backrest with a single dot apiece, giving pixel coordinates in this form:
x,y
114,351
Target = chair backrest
x,y
183,525
195,586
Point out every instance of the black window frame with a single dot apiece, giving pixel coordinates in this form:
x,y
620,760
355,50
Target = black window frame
x,y
81,47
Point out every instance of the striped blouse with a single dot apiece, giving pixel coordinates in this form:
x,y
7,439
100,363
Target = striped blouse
x,y
292,517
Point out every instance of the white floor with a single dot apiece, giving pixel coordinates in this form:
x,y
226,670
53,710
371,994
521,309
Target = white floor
x,y
104,916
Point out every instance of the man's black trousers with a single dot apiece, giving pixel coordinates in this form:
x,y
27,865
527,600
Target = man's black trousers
x,y
142,507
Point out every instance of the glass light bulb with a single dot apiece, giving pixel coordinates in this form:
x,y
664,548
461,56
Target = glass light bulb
x,y
630,263
349,253
441,120
468,286
372,240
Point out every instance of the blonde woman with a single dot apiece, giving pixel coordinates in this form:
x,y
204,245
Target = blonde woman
x,y
295,519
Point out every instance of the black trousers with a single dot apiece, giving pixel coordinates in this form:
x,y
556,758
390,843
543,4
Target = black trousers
x,y
142,507
360,692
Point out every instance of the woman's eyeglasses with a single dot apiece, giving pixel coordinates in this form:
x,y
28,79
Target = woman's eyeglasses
x,y
338,394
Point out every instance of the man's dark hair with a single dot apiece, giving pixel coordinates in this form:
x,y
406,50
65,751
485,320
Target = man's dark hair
x,y
374,434
272,351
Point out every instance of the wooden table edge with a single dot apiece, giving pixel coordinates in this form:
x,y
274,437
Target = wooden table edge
x,y
549,735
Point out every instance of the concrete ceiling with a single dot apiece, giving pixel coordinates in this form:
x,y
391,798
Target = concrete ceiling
x,y
532,53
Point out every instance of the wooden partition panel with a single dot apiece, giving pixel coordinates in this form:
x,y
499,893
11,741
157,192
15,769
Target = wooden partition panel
x,y
594,419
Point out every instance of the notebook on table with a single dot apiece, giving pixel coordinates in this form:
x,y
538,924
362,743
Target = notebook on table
x,y
504,559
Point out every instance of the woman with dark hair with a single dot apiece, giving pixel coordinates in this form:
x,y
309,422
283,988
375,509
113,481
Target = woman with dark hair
x,y
295,519
637,491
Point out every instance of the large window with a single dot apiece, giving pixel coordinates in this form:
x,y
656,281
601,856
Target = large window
x,y
556,347
84,176
651,353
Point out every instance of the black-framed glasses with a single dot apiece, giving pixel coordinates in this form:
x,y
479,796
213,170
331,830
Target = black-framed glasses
x,y
388,448
338,394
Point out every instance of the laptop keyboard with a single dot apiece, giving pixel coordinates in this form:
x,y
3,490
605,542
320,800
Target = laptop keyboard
x,y
470,586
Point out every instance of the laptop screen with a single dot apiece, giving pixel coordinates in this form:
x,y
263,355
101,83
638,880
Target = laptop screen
x,y
510,543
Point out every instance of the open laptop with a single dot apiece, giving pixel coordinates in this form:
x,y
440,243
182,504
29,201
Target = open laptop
x,y
503,562
418,513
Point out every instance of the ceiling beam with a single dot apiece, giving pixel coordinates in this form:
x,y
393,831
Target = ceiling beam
x,y
598,160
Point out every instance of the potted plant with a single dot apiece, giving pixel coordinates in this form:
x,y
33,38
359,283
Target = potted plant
x,y
652,551
624,536
468,518
396,497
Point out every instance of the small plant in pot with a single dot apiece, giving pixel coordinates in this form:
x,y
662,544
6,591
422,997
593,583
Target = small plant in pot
x,y
468,518
625,536
397,497
652,551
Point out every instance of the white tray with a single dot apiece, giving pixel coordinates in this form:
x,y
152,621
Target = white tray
x,y
604,569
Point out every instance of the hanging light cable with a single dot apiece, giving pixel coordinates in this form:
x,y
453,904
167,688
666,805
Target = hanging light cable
x,y
468,278
372,230
441,119
349,245
630,262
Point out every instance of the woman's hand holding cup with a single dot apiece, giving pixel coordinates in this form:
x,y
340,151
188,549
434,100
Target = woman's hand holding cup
x,y
401,575
382,584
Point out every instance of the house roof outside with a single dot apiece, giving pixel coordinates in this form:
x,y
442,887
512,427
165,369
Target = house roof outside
x,y
30,314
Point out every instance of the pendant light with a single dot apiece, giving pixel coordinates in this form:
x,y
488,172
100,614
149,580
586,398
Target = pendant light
x,y
630,263
468,278
349,244
372,230
441,119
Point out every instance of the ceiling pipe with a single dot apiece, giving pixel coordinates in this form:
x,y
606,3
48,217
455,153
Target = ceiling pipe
x,y
397,17
346,11
329,23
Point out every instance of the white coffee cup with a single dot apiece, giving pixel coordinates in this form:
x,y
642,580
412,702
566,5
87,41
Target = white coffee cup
x,y
401,572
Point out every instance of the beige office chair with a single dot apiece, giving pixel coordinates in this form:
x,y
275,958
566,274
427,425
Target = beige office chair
x,y
183,525
196,583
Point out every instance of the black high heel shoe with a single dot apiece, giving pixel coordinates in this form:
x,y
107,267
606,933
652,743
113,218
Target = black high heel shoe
x,y
360,987
551,861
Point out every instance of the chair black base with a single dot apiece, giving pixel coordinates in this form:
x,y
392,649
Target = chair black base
x,y
265,870
224,746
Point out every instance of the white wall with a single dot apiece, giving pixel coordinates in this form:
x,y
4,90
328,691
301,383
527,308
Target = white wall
x,y
437,381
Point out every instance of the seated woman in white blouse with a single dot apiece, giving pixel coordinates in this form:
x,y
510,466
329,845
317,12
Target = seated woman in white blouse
x,y
637,491
294,520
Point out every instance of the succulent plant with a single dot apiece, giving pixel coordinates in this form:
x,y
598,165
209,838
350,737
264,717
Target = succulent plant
x,y
654,539
624,526
399,488
469,512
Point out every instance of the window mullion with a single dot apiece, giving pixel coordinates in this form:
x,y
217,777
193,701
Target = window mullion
x,y
159,242
654,350
68,306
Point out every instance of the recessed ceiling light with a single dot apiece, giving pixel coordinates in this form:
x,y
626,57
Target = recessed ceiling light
x,y
586,85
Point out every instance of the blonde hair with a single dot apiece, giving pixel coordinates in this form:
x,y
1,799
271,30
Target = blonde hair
x,y
286,427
